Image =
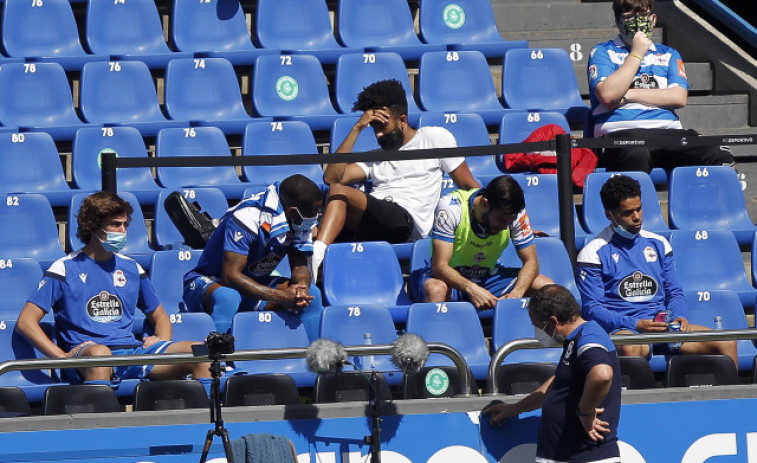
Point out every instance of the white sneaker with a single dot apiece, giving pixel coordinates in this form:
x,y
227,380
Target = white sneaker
x,y
319,250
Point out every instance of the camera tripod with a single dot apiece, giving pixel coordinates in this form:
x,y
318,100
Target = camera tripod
x,y
215,415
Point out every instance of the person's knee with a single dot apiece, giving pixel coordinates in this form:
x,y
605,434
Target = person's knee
x,y
633,350
95,350
435,290
339,191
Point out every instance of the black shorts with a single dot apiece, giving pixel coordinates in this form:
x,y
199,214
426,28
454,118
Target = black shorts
x,y
382,220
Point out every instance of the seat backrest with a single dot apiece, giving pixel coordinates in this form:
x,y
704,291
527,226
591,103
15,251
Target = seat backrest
x,y
289,85
137,242
294,25
362,273
516,126
366,141
269,330
13,400
80,398
594,213
211,200
125,27
193,141
359,325
177,394
511,321
125,141
555,263
707,198
261,389
453,323
35,94
203,89
456,81
348,387
211,25
708,260
703,306
469,129
118,92
366,23
30,163
415,383
539,79
464,21
46,28
700,370
636,373
523,378
19,278
167,269
28,229
281,137
420,260
540,192
355,71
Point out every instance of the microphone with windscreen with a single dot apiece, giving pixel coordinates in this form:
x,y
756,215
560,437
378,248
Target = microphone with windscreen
x,y
325,356
409,352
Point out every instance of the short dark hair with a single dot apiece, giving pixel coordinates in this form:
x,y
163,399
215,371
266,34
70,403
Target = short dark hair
x,y
300,192
95,209
617,189
620,7
554,300
505,193
384,93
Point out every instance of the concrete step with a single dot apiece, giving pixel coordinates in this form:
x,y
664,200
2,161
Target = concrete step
x,y
724,112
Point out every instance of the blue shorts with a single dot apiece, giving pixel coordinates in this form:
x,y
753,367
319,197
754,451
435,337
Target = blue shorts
x,y
125,371
196,286
499,284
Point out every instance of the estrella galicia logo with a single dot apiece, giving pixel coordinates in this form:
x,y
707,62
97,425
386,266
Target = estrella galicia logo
x,y
265,265
105,308
637,287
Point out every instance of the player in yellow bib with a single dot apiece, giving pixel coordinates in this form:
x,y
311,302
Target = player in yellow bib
x,y
471,230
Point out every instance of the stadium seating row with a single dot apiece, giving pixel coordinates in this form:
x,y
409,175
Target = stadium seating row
x,y
217,28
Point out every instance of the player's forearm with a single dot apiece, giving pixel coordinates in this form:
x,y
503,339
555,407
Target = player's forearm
x,y
535,399
451,277
596,387
672,98
526,276
301,275
34,333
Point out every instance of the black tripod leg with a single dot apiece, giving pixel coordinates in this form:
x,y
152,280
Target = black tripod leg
x,y
227,446
206,448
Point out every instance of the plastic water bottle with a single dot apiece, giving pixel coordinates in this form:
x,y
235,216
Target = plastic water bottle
x,y
368,341
718,322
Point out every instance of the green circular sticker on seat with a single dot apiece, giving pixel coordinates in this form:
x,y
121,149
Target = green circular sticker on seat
x,y
437,381
287,88
454,16
100,156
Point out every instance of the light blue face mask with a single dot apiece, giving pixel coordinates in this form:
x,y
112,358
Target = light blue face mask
x,y
623,232
306,223
114,241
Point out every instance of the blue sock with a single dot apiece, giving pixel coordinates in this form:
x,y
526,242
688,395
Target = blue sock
x,y
225,305
206,382
311,315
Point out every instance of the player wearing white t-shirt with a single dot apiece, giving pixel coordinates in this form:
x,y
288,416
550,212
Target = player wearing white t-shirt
x,y
401,205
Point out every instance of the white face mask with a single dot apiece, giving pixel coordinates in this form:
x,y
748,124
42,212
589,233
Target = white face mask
x,y
547,340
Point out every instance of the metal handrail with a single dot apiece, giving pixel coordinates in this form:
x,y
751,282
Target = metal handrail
x,y
258,354
618,340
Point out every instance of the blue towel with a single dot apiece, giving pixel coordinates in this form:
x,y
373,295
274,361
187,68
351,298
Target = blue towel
x,y
262,448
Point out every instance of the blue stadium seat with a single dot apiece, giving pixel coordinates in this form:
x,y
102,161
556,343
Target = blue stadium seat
x,y
594,213
469,129
282,137
298,26
272,330
349,326
214,28
555,263
542,80
37,96
516,126
511,321
129,31
137,243
126,142
122,93
704,306
19,277
458,81
709,198
355,71
205,91
708,260
379,26
167,269
420,259
45,31
188,326
28,229
455,324
292,87
540,192
30,164
464,25
366,141
197,141
167,236
364,273
14,346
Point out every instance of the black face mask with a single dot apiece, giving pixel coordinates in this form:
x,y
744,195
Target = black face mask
x,y
392,140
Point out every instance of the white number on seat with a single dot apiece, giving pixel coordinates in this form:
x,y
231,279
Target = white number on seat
x,y
30,68
277,126
453,56
189,132
703,295
185,256
702,172
286,60
107,131
537,54
175,318
6,263
534,117
700,235
190,194
354,311
357,247
114,66
369,58
199,63
265,317
11,201
18,138
532,180
450,118
441,308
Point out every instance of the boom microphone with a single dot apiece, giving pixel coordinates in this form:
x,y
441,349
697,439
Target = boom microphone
x,y
409,351
325,355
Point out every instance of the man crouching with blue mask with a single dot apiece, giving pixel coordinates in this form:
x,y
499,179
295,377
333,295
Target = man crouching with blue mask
x,y
237,269
93,295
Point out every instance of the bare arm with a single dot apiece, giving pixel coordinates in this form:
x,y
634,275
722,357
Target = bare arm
x,y
158,318
480,297
463,177
28,325
232,276
501,412
596,387
345,173
528,272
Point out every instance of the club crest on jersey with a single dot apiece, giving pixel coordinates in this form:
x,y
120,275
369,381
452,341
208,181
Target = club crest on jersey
x,y
637,287
441,218
568,352
650,254
105,308
119,279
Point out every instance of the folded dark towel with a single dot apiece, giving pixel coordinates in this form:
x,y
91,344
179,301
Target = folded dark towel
x,y
262,448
